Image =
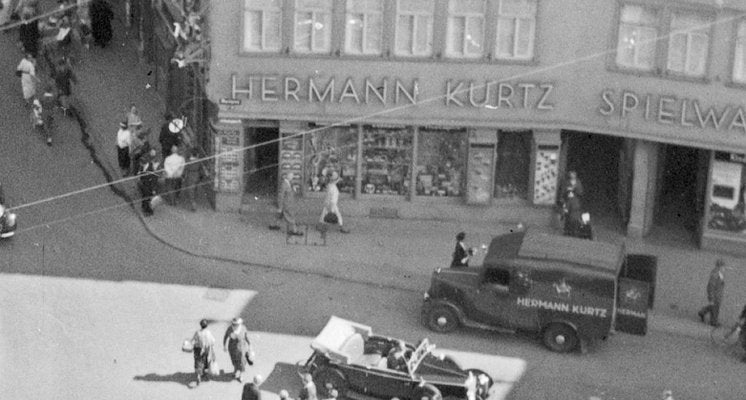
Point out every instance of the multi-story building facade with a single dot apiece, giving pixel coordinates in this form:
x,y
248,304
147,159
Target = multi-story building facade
x,y
431,106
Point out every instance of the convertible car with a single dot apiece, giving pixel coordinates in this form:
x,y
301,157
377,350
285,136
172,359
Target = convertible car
x,y
348,357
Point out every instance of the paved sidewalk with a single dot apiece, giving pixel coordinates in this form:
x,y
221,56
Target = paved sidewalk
x,y
382,252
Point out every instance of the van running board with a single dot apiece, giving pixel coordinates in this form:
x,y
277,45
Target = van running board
x,y
473,324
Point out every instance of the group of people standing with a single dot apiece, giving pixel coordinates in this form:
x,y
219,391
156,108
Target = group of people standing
x,y
136,156
57,79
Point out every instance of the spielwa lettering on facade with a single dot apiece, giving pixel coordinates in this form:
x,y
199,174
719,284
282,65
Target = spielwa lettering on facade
x,y
387,91
562,307
671,110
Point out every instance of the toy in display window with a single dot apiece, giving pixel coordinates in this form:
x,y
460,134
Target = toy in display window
x,y
333,149
441,156
387,155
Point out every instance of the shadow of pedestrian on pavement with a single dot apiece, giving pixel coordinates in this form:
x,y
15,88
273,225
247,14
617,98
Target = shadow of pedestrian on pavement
x,y
178,377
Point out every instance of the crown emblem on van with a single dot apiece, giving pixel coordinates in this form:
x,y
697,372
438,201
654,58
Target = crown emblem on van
x,y
563,289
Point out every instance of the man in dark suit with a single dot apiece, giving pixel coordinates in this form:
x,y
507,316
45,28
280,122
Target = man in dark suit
x,y
715,288
251,389
148,173
287,205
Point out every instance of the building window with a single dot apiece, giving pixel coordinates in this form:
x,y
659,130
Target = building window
x,y
516,24
414,27
465,30
364,26
688,44
513,164
441,162
727,211
313,26
387,157
328,150
637,36
262,25
739,63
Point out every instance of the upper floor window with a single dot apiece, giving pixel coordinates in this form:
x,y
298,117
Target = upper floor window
x,y
364,26
637,35
688,44
465,28
739,63
262,25
516,24
414,27
313,26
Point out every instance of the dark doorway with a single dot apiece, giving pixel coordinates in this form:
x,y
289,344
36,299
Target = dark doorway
x,y
676,204
595,158
261,160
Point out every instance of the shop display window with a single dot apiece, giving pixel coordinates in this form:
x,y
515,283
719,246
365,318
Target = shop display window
x,y
328,150
513,164
441,162
726,211
387,157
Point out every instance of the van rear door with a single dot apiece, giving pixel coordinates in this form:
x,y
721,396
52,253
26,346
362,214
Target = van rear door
x,y
632,306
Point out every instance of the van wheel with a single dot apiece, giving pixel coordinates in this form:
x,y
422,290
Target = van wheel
x,y
442,319
560,338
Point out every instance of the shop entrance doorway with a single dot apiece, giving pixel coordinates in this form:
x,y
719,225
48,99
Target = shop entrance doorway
x,y
678,204
595,158
261,158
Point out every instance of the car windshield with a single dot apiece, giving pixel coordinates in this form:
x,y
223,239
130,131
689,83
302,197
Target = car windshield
x,y
423,349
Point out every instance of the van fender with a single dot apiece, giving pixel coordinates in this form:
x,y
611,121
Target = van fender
x,y
572,325
443,303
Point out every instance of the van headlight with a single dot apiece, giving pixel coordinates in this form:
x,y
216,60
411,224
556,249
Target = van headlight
x,y
426,295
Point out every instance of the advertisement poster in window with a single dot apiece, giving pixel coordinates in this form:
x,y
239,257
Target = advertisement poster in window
x,y
480,173
726,211
291,158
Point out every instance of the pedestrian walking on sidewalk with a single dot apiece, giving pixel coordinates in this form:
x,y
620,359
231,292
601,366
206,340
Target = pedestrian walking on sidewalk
x,y
148,181
134,122
29,33
330,214
64,77
5,12
124,142
461,254
236,342
26,70
194,171
251,390
169,135
204,351
140,147
173,166
715,289
48,102
288,204
100,15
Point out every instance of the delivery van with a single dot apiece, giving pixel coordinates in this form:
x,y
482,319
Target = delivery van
x,y
569,291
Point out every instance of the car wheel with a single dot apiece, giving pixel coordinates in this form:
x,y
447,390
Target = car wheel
x,y
333,376
426,392
442,319
560,338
